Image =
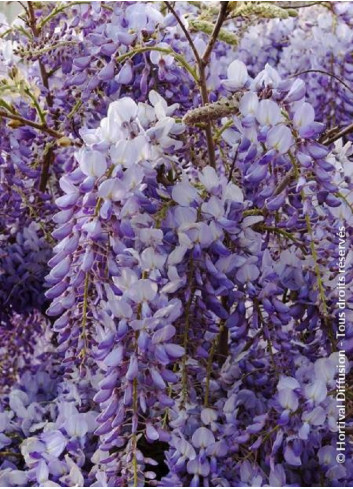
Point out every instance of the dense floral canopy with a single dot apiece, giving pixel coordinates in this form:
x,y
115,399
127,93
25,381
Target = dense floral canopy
x,y
176,198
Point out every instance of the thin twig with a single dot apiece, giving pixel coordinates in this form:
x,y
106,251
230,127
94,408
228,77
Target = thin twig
x,y
221,18
202,68
23,5
305,5
288,177
348,129
328,133
47,162
323,72
201,64
32,19
233,165
8,453
35,125
208,128
36,31
49,155
202,74
185,31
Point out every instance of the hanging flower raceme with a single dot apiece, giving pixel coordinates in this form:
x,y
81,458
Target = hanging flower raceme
x,y
185,202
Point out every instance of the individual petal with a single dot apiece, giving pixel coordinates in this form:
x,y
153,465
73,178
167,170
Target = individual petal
x,y
114,358
164,334
202,437
316,391
92,163
143,290
123,110
150,259
325,369
248,104
256,173
304,431
316,417
112,189
125,75
132,371
297,91
209,178
198,466
233,192
76,426
267,77
208,415
288,399
303,116
127,279
55,442
82,62
157,378
277,476
61,269
107,73
288,383
184,194
290,457
237,74
151,432
42,472
280,138
327,455
173,350
268,113
177,255
247,273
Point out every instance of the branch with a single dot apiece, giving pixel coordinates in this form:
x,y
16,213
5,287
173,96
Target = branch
x,y
294,5
221,18
47,162
8,453
32,19
233,165
202,72
35,125
171,52
185,31
49,155
208,129
343,132
36,31
286,181
323,72
202,63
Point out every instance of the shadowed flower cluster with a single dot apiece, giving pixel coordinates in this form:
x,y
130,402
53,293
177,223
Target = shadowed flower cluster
x,y
174,204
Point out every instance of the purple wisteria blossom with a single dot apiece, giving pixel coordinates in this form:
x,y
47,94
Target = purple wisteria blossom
x,y
175,244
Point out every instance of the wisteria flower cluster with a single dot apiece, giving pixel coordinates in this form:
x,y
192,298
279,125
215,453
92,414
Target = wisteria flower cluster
x,y
176,227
